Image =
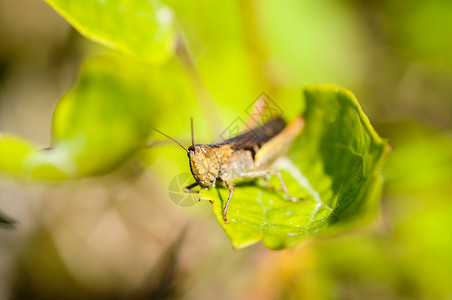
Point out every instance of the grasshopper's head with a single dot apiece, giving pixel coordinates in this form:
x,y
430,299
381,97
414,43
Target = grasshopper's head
x,y
204,165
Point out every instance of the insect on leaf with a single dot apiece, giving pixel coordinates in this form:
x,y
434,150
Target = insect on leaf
x,y
333,165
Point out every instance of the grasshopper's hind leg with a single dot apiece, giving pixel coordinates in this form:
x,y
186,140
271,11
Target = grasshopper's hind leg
x,y
283,185
264,173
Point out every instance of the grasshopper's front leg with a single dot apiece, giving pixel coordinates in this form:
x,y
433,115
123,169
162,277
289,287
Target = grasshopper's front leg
x,y
231,191
188,189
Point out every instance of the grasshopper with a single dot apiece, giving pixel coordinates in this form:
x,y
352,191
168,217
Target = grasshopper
x,y
241,159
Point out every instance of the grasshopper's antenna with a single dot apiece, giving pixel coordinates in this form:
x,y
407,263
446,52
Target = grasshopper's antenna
x,y
171,139
192,135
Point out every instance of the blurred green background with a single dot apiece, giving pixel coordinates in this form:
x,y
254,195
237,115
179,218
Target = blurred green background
x,y
120,237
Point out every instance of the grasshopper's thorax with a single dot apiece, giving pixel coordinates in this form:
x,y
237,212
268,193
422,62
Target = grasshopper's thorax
x,y
204,165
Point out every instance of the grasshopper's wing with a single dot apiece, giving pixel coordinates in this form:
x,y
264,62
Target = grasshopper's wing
x,y
278,145
255,138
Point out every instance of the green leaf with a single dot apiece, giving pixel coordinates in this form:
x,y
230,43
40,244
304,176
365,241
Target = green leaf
x,y
333,164
97,125
141,28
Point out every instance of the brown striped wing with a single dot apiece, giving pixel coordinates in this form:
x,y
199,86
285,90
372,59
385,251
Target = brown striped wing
x,y
256,137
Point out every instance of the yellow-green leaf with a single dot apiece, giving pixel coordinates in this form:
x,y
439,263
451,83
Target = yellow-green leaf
x,y
140,28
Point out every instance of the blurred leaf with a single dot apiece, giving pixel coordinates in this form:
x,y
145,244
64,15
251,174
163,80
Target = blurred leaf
x,y
106,116
332,164
184,6
312,41
95,126
223,60
421,166
412,27
13,151
142,28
